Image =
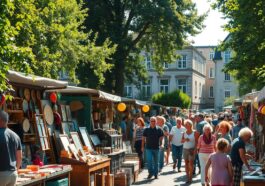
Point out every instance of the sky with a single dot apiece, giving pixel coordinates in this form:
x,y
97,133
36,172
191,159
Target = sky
x,y
213,32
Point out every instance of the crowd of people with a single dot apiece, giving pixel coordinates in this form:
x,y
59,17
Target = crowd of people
x,y
200,140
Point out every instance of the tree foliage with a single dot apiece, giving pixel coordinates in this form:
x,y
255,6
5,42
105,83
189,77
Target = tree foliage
x,y
246,25
176,98
48,36
159,27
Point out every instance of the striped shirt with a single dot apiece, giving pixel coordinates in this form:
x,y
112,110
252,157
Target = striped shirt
x,y
206,148
139,133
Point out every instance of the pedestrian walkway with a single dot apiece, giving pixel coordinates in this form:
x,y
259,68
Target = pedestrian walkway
x,y
168,177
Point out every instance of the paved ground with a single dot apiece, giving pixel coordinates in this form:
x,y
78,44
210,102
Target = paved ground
x,y
167,177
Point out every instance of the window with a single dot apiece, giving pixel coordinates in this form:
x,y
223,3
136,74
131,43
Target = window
x,y
211,73
182,85
227,56
227,77
182,62
146,89
211,92
227,93
165,65
211,55
148,61
196,89
128,91
164,85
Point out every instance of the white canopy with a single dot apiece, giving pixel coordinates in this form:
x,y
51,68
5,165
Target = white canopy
x,y
46,83
261,94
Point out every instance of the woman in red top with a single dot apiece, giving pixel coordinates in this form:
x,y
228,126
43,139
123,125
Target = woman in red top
x,y
206,146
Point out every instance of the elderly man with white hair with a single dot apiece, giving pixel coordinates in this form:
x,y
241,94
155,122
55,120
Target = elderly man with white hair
x,y
10,154
238,153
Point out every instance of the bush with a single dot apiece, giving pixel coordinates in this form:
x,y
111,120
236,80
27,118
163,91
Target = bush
x,y
176,98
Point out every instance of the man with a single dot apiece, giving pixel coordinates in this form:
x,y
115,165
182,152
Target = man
x,y
200,122
238,154
152,138
10,154
237,128
175,137
164,146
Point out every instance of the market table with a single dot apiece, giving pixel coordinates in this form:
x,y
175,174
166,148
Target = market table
x,y
65,173
256,178
82,171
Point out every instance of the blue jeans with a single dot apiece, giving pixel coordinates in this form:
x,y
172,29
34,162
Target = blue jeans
x,y
177,154
161,158
152,156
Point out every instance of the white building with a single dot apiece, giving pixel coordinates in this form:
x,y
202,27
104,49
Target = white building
x,y
187,74
208,53
225,85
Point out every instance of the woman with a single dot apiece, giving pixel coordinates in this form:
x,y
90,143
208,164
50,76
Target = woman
x,y
138,139
222,171
206,146
189,140
223,131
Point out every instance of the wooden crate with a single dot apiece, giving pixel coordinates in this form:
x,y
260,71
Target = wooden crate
x,y
120,179
107,180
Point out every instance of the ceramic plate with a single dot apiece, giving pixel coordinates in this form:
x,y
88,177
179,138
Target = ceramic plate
x,y
26,125
48,113
25,106
27,94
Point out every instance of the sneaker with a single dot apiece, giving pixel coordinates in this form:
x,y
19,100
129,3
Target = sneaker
x,y
179,170
174,166
149,176
156,177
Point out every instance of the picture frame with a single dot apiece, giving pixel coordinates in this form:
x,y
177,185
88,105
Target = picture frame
x,y
65,128
73,150
77,142
85,136
63,111
95,139
64,141
68,113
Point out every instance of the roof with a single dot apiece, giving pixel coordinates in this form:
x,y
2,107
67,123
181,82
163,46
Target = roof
x,y
32,80
137,102
95,94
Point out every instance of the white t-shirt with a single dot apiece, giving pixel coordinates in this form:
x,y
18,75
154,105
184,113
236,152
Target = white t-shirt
x,y
189,144
177,135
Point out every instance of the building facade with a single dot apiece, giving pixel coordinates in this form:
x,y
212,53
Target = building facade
x,y
225,84
208,53
187,74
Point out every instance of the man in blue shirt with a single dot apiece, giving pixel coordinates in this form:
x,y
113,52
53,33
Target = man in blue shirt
x,y
10,154
152,140
237,128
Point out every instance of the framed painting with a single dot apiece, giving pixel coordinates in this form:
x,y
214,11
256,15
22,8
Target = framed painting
x,y
65,127
63,111
95,139
85,136
73,150
68,113
77,142
64,141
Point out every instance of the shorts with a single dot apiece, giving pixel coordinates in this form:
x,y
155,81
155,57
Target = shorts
x,y
188,154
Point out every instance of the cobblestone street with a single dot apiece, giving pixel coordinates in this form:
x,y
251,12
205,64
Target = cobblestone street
x,y
167,177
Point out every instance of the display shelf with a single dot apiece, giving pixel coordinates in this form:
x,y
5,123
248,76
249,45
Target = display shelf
x,y
15,111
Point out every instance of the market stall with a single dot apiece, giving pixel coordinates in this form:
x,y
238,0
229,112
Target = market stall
x,y
31,117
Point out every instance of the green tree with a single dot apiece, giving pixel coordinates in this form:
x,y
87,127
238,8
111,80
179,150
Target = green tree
x,y
176,98
229,101
246,25
48,36
159,27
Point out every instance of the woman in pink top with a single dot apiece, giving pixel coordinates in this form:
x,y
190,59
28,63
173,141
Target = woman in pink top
x,y
206,146
222,171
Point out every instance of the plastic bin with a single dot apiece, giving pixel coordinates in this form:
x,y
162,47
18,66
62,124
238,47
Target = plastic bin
x,y
61,182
